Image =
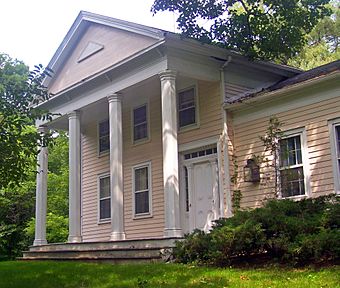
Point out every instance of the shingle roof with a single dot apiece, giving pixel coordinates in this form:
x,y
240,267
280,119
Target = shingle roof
x,y
305,76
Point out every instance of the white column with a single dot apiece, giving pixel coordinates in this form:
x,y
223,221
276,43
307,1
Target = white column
x,y
116,167
74,177
170,154
41,195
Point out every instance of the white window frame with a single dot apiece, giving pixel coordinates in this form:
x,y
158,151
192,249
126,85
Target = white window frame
x,y
196,100
100,153
101,176
134,168
147,138
334,153
305,162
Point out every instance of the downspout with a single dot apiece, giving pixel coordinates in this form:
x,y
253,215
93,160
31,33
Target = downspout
x,y
227,211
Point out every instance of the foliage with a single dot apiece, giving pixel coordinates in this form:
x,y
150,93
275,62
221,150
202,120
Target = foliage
x,y
271,143
18,202
284,230
270,29
48,274
237,194
20,91
322,42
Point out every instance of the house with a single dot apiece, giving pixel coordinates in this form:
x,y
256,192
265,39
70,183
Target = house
x,y
155,122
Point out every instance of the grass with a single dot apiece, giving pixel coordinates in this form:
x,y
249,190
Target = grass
x,y
74,274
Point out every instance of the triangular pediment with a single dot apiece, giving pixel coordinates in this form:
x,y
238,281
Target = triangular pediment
x,y
90,49
96,43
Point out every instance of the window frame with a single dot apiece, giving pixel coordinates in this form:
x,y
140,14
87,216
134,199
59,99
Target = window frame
x,y
99,177
107,151
332,124
147,138
301,132
134,168
196,101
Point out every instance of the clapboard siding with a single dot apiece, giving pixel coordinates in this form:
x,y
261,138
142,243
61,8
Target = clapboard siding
x,y
314,119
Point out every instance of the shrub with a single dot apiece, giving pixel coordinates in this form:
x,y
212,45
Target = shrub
x,y
298,232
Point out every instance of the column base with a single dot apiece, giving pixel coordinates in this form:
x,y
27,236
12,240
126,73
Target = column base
x,y
173,232
39,242
74,239
116,236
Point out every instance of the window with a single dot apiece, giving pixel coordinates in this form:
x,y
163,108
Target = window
x,y
292,177
104,136
104,198
335,146
187,107
140,123
142,189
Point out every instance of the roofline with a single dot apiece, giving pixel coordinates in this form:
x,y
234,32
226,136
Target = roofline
x,y
81,23
287,89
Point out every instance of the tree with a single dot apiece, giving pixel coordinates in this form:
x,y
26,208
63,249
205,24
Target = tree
x,y
266,29
17,204
20,92
323,42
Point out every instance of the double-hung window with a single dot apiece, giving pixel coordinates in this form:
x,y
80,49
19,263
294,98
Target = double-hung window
x,y
104,198
187,110
140,123
335,146
103,136
292,172
142,189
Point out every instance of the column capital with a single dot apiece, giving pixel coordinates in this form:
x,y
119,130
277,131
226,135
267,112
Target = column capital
x,y
73,114
114,97
168,75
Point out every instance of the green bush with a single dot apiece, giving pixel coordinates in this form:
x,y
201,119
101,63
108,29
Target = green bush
x,y
298,232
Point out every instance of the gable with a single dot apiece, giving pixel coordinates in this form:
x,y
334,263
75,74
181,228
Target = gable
x,y
98,48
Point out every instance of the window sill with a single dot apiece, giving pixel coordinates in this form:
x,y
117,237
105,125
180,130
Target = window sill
x,y
295,198
141,141
100,222
104,153
188,128
142,216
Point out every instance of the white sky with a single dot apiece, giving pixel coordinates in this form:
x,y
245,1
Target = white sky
x,y
31,30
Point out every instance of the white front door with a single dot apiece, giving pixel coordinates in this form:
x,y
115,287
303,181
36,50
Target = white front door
x,y
202,199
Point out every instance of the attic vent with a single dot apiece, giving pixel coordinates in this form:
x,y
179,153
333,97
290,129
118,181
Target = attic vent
x,y
90,49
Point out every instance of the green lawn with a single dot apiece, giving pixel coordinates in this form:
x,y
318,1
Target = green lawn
x,y
74,274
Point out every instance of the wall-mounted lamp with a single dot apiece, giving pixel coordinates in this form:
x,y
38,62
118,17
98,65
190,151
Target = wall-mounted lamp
x,y
251,171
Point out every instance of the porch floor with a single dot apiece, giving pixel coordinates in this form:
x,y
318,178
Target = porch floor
x,y
141,250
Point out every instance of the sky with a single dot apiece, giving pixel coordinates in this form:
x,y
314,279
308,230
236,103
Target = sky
x,y
31,30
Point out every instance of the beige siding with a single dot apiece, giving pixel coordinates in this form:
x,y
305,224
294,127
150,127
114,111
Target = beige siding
x,y
210,125
118,45
314,118
210,115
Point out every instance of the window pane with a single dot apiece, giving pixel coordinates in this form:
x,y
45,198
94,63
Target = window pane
x,y
104,128
142,202
139,115
141,179
290,151
292,182
140,131
104,187
105,209
186,98
104,143
187,117
337,130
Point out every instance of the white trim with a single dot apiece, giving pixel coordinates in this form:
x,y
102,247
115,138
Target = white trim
x,y
196,100
101,176
105,152
134,168
148,136
305,161
335,164
198,144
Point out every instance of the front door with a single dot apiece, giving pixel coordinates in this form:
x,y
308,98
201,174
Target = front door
x,y
200,191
